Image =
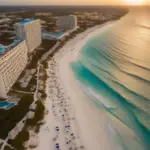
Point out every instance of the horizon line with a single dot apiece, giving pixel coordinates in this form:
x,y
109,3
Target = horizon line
x,y
125,5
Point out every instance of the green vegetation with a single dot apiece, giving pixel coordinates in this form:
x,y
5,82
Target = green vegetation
x,y
1,144
32,146
43,78
39,115
36,56
32,83
9,118
7,148
38,53
4,38
45,64
23,136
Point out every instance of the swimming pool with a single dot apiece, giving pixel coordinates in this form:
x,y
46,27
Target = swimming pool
x,y
52,35
6,104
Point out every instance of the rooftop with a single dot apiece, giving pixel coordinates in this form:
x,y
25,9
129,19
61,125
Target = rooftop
x,y
5,49
27,21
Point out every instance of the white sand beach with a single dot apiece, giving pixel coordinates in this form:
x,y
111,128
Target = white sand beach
x,y
72,121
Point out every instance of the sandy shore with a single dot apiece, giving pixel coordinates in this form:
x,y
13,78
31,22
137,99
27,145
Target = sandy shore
x,y
72,121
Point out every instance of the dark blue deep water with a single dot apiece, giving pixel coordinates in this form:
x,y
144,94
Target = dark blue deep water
x,y
115,66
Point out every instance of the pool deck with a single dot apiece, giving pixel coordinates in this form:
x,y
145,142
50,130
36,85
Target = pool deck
x,y
58,35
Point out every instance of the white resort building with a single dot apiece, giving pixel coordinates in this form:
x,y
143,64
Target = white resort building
x,y
13,60
29,30
67,22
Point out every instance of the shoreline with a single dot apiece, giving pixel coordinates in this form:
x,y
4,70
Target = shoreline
x,y
62,88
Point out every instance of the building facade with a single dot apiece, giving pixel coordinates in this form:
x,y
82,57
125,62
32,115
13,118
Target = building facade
x,y
29,30
12,62
67,22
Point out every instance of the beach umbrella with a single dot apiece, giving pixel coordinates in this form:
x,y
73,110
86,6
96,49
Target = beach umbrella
x,y
57,146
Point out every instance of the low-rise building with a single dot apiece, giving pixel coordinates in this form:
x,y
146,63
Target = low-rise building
x,y
13,60
29,30
94,16
43,14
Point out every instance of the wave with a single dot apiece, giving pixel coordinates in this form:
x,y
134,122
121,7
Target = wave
x,y
113,103
119,58
114,68
98,58
119,68
143,26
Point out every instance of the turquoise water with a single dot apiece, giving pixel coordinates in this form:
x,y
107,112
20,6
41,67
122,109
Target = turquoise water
x,y
6,105
115,66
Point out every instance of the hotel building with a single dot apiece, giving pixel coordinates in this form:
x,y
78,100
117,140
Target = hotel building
x,y
67,22
13,60
29,30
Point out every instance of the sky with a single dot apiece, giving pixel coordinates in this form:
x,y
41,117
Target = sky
x,y
66,2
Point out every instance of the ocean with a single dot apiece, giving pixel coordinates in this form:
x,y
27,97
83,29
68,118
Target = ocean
x,y
114,69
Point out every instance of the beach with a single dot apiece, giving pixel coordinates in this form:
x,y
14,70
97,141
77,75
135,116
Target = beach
x,y
72,122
